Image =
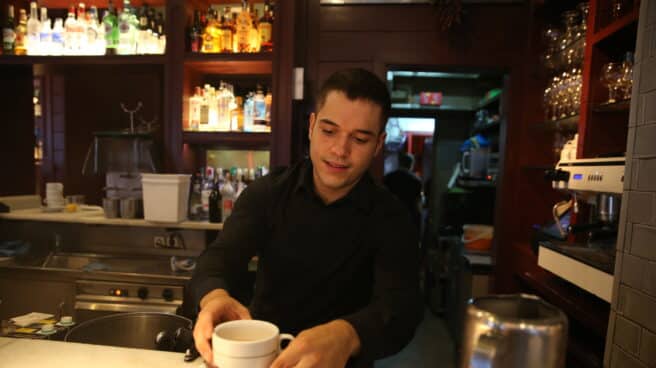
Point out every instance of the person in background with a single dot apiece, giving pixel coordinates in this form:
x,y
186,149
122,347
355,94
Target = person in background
x,y
337,253
406,186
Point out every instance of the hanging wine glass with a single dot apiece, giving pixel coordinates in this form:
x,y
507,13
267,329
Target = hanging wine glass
x,y
611,78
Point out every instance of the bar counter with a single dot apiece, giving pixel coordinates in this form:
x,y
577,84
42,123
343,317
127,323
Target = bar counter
x,y
21,353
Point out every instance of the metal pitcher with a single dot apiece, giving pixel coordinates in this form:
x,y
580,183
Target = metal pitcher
x,y
513,331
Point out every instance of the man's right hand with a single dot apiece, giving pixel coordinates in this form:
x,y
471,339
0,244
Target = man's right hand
x,y
216,306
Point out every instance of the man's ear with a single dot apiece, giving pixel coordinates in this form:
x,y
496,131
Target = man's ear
x,y
313,120
380,143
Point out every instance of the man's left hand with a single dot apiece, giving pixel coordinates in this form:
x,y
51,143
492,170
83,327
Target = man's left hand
x,y
325,346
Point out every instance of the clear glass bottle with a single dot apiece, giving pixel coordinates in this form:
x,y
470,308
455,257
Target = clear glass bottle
x,y
45,33
92,31
33,31
70,25
58,37
195,103
81,30
260,107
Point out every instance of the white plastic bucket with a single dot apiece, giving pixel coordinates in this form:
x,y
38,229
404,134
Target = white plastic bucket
x,y
166,197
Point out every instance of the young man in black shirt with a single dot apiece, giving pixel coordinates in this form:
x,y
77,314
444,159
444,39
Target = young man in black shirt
x,y
337,254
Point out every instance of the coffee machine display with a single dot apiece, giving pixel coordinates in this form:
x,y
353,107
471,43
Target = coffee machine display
x,y
589,260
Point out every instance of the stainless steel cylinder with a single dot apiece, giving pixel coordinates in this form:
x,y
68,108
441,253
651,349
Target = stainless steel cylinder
x,y
513,331
609,207
111,207
131,208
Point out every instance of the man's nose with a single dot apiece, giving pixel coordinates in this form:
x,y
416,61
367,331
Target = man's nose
x,y
341,146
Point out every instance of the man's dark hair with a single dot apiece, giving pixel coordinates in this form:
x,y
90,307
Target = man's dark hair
x,y
358,84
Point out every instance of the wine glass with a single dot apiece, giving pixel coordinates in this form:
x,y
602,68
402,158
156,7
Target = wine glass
x,y
611,77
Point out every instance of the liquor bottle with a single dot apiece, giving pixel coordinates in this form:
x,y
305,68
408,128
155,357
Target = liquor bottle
x,y
215,206
224,99
9,33
227,33
204,111
33,29
92,32
57,46
253,34
195,205
228,198
249,106
70,25
81,29
45,33
260,107
235,40
265,28
195,103
195,33
21,34
206,190
142,32
110,22
268,100
243,25
208,45
125,43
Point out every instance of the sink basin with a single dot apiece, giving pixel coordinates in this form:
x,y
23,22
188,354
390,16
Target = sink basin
x,y
157,265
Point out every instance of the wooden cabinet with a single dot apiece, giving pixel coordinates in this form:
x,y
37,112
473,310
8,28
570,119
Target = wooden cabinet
x,y
602,131
81,94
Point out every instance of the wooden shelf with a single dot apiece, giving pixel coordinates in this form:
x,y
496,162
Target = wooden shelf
x,y
237,140
64,4
245,63
620,106
84,60
616,26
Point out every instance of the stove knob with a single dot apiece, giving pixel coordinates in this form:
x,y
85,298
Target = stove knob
x,y
167,294
142,292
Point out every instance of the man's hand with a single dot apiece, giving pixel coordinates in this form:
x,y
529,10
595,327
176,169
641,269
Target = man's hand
x,y
215,307
324,346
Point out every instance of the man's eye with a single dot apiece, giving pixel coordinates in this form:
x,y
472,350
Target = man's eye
x,y
361,140
327,131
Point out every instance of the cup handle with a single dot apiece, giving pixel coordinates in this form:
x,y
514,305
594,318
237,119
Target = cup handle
x,y
283,337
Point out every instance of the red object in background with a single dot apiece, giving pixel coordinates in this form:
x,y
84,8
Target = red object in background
x,y
430,98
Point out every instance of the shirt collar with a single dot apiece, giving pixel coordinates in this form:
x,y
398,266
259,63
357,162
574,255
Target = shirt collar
x,y
360,194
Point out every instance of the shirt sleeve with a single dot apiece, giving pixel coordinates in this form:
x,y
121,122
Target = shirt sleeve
x,y
224,263
388,322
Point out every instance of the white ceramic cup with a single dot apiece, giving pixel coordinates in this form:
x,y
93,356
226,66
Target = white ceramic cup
x,y
246,344
67,320
54,187
48,327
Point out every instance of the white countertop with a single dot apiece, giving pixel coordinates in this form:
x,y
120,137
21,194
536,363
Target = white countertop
x,y
97,217
22,353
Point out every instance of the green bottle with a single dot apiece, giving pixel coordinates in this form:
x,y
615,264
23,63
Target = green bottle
x,y
110,21
8,32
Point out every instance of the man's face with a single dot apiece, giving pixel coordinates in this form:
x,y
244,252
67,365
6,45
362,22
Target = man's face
x,y
345,135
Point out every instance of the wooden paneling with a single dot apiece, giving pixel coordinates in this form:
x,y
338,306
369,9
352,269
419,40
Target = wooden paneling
x,y
17,138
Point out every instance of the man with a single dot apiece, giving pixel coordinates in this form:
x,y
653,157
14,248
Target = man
x,y
336,265
406,186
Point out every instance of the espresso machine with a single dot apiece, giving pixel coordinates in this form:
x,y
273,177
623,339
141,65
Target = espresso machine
x,y
585,254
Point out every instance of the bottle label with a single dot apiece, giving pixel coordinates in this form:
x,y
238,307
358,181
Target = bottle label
x,y
205,199
57,37
265,33
8,38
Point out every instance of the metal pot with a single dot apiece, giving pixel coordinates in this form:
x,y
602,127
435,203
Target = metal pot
x,y
513,331
143,330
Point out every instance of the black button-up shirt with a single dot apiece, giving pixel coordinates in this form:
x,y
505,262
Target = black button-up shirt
x,y
354,259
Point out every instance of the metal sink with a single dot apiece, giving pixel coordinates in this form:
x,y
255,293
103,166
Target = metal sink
x,y
157,265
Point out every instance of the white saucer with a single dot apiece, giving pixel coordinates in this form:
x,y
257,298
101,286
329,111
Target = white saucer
x,y
62,324
46,333
52,209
